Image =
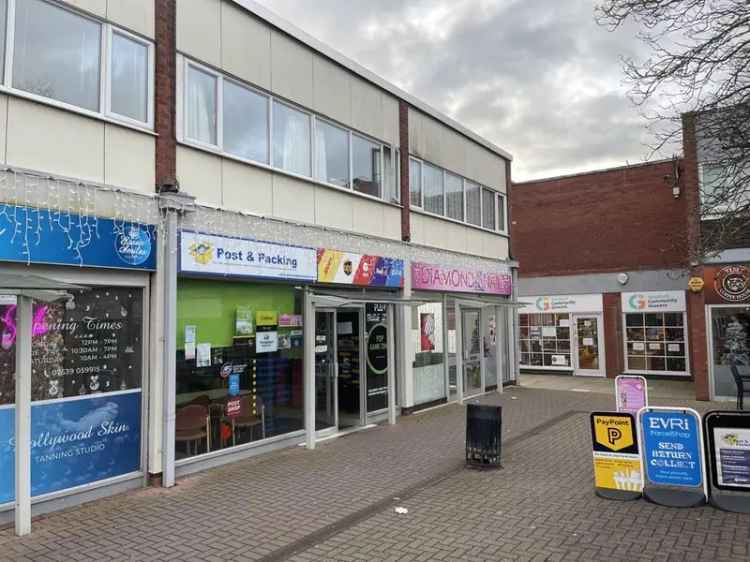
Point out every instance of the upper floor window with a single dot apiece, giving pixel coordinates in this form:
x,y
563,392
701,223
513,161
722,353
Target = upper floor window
x,y
501,213
331,154
57,54
454,196
415,182
434,197
488,209
473,204
366,165
220,114
723,187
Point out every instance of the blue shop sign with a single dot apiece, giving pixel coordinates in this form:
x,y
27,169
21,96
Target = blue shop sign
x,y
672,448
74,442
45,236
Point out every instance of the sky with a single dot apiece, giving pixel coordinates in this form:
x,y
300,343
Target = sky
x,y
538,78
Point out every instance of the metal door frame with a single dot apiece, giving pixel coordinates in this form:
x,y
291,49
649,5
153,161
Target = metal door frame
x,y
574,352
335,378
471,308
711,355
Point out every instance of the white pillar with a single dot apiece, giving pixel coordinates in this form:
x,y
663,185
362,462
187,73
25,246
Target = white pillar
x,y
23,415
309,369
459,353
391,367
169,364
406,350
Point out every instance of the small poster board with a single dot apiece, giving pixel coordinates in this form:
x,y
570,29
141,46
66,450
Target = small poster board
x,y
672,456
631,393
617,462
727,438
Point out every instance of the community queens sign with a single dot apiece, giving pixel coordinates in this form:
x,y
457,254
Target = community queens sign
x,y
240,257
654,301
457,280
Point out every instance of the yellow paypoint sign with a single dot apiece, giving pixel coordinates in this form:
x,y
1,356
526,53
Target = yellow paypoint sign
x,y
614,432
617,463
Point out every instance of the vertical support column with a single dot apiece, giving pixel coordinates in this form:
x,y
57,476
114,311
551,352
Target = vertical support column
x,y
23,416
172,205
513,344
501,346
406,351
308,323
170,350
391,366
459,353
446,355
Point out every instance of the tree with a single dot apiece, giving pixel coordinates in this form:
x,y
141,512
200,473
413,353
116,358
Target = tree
x,y
698,64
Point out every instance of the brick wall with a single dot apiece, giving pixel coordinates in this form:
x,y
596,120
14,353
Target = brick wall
x,y
696,304
613,341
611,220
164,91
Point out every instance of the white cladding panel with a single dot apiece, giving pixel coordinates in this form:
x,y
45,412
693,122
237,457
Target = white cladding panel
x,y
97,7
138,15
293,199
291,69
332,95
432,141
439,233
199,174
245,46
129,158
198,29
246,188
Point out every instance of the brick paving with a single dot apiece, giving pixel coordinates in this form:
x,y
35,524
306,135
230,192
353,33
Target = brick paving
x,y
337,503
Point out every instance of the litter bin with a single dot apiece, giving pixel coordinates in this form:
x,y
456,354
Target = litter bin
x,y
484,426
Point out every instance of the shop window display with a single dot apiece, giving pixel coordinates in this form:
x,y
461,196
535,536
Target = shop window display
x,y
731,346
86,377
545,340
656,342
428,344
239,364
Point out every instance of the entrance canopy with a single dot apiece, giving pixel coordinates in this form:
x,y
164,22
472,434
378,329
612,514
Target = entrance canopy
x,y
335,299
35,287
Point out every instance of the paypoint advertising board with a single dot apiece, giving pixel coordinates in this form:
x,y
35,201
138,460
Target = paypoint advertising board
x,y
617,462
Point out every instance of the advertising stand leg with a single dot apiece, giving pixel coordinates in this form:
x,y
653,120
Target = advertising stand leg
x,y
727,440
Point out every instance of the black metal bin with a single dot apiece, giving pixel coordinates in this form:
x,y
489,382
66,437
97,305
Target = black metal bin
x,y
484,425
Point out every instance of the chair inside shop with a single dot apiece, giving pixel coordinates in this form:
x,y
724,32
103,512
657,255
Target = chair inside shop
x,y
191,427
742,380
249,420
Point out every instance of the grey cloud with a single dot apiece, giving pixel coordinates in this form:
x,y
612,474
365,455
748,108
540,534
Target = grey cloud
x,y
537,77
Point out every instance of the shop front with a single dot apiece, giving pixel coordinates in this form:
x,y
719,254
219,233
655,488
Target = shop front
x,y
655,333
89,368
727,297
240,344
562,333
353,306
459,327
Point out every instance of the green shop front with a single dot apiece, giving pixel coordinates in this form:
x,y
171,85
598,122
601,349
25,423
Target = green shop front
x,y
240,345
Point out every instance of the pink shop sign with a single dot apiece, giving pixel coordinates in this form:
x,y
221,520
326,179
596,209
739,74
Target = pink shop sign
x,y
457,280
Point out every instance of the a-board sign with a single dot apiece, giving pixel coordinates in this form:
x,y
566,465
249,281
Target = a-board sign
x,y
727,438
631,393
672,456
617,462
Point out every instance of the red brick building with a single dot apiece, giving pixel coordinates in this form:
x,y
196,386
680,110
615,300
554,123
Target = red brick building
x,y
603,269
614,279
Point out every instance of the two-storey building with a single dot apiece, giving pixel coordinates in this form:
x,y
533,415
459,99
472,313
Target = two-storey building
x,y
269,243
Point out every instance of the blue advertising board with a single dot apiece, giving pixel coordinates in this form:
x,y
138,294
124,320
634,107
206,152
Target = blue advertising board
x,y
31,235
75,442
672,451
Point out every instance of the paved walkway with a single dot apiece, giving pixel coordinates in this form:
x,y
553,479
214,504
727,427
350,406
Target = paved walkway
x,y
665,389
338,502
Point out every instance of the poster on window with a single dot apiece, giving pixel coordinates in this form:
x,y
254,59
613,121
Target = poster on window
x,y
74,442
376,317
427,331
87,345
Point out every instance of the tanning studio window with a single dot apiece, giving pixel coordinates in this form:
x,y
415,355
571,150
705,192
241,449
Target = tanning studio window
x,y
366,156
473,204
415,182
488,209
57,56
291,139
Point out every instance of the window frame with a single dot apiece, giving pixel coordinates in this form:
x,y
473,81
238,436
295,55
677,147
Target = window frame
x,y
464,181
667,373
501,197
105,38
183,64
151,69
